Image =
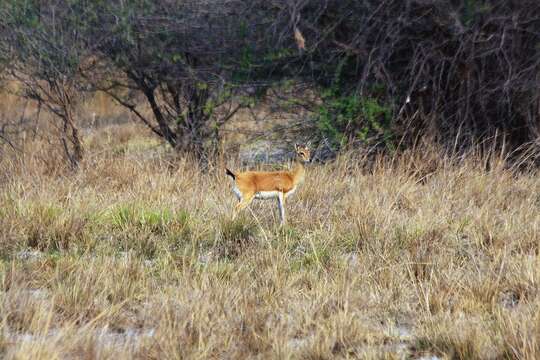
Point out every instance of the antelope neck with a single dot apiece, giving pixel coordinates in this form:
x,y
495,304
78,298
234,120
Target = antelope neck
x,y
298,171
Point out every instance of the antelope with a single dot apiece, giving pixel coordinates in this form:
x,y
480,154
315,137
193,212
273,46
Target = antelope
x,y
249,185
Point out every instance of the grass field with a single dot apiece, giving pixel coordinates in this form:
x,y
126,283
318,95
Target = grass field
x,y
136,256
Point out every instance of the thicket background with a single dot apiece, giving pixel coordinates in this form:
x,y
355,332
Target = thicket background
x,y
368,73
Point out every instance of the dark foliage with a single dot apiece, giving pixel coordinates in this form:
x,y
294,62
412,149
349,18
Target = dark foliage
x,y
458,71
385,72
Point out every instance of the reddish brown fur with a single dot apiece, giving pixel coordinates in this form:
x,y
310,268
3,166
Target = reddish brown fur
x,y
256,181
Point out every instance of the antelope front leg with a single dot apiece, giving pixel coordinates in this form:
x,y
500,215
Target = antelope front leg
x,y
246,200
281,205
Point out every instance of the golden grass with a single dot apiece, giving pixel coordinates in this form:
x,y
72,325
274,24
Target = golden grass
x,y
135,256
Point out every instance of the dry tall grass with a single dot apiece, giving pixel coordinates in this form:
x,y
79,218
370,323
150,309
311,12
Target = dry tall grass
x,y
135,256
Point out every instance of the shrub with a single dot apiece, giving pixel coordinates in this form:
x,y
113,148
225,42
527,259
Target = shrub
x,y
345,118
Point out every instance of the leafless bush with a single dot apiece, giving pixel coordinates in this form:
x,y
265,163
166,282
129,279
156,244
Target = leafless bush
x,y
43,51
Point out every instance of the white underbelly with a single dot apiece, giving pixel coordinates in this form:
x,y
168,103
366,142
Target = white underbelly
x,y
263,195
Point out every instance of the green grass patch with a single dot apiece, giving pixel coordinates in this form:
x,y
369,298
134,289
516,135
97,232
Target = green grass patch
x,y
157,221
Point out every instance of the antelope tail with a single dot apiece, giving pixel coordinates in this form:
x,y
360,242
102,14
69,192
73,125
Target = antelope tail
x,y
230,173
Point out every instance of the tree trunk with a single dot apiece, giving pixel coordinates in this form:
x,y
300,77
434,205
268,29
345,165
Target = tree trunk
x,y
168,134
70,135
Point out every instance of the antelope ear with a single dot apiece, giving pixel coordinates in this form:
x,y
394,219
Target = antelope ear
x,y
296,146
